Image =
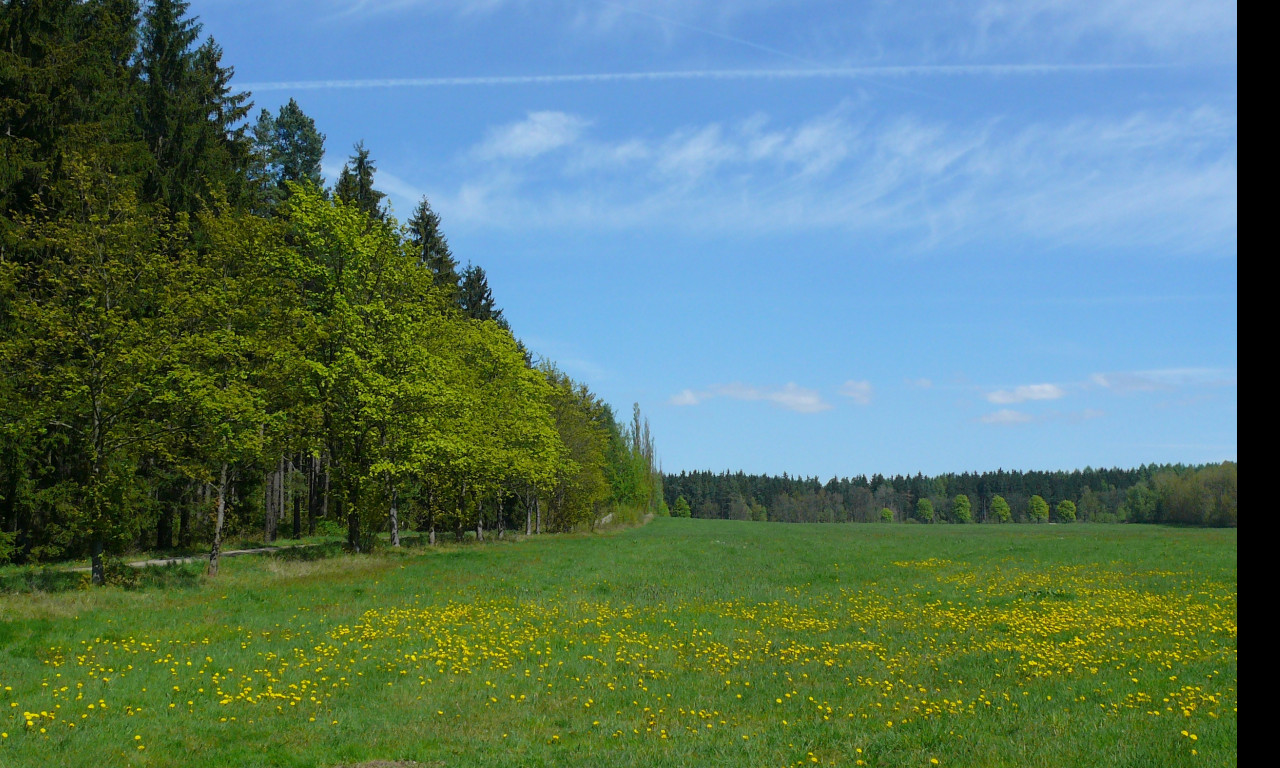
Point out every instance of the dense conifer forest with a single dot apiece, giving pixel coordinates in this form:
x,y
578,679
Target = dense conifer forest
x,y
1176,494
199,339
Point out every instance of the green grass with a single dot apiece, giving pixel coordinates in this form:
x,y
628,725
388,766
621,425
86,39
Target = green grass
x,y
684,642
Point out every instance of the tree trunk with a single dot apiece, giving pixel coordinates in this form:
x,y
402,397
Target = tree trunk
x,y
280,498
353,524
297,497
528,516
431,516
97,573
479,520
219,516
324,498
184,520
313,495
164,528
268,507
395,517
462,503
502,523
537,508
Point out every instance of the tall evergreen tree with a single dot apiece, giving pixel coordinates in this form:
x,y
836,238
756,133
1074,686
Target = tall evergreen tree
x,y
188,111
432,249
66,85
355,183
287,148
475,297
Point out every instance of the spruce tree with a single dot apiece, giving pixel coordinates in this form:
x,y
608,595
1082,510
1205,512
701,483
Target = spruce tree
x,y
355,183
287,148
476,299
432,249
66,85
188,111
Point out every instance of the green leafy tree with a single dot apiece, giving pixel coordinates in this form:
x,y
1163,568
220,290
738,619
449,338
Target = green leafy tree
x,y
1038,509
67,103
682,508
886,515
231,384
351,265
7,539
1141,503
96,331
924,511
961,509
582,422
1000,511
1067,511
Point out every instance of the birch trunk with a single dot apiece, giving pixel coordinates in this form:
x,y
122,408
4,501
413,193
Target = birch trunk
x,y
431,516
395,518
219,516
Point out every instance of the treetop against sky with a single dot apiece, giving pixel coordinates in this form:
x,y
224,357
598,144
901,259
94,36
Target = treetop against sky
x,y
818,237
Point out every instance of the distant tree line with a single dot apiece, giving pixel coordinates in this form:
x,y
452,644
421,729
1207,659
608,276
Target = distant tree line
x,y
198,339
1167,493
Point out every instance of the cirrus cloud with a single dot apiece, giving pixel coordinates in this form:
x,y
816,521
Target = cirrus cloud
x,y
537,134
1006,416
790,397
1024,393
859,392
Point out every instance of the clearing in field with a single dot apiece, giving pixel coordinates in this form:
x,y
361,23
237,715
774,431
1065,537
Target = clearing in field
x,y
685,642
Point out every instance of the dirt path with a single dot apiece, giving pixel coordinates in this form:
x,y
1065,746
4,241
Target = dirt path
x,y
193,558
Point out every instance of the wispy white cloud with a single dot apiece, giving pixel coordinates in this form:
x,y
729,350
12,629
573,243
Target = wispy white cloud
x,y
1009,417
1145,180
1164,379
1006,417
1159,25
688,397
1024,393
537,134
990,27
859,392
790,397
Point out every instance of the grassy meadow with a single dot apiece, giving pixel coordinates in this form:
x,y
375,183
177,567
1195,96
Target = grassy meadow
x,y
684,642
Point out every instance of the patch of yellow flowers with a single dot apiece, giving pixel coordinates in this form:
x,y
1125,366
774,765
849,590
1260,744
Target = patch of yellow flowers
x,y
693,667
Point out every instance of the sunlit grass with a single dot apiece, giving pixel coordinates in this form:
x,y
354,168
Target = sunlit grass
x,y
682,643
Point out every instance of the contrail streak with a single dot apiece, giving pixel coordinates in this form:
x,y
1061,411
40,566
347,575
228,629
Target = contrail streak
x,y
834,73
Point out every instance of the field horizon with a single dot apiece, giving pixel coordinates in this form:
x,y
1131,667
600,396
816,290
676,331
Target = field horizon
x,y
681,642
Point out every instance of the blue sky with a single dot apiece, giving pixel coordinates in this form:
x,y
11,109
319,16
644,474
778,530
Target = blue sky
x,y
826,238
